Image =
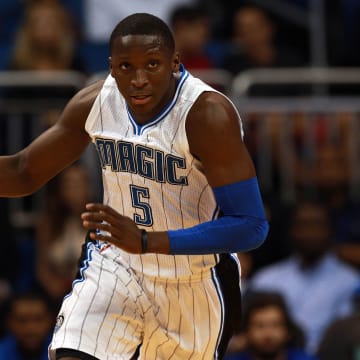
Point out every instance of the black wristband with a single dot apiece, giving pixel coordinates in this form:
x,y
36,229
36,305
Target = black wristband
x,y
144,241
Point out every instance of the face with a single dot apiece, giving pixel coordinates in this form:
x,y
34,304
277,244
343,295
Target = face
x,y
310,231
46,26
252,27
30,322
192,35
267,332
144,72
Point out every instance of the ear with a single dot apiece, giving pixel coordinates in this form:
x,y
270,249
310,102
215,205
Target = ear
x,y
176,62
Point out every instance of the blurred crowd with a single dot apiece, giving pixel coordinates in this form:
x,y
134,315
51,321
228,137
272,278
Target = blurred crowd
x,y
236,35
301,289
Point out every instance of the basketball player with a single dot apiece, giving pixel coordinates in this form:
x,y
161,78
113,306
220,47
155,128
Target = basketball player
x,y
158,279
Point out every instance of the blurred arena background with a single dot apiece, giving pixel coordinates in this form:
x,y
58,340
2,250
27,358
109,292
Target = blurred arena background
x,y
292,68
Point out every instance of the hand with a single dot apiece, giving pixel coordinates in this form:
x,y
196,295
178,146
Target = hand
x,y
116,229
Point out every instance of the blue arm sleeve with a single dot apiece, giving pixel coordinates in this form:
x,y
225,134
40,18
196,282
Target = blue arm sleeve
x,y
242,227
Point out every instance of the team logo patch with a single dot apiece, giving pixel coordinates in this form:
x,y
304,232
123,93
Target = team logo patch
x,y
103,247
59,322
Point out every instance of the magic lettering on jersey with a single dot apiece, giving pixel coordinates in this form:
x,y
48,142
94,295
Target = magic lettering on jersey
x,y
123,156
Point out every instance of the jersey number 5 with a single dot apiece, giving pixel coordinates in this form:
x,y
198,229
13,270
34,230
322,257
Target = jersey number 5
x,y
138,194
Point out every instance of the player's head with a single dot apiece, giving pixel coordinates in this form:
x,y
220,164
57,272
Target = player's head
x,y
143,62
143,24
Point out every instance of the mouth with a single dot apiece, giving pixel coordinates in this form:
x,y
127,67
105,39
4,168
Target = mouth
x,y
140,99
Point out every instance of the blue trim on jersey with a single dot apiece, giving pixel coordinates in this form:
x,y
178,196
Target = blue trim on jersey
x,y
218,289
83,268
236,260
139,129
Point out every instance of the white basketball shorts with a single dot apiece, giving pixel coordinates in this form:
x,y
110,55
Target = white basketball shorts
x,y
112,313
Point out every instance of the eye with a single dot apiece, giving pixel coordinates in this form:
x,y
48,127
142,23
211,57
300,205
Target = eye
x,y
124,66
153,64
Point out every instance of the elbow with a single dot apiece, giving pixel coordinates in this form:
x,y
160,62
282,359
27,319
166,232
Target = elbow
x,y
261,231
253,235
23,182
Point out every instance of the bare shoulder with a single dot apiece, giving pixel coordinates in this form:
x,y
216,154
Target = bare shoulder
x,y
213,109
215,113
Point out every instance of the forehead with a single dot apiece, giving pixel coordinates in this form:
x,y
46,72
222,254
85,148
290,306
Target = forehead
x,y
146,43
268,312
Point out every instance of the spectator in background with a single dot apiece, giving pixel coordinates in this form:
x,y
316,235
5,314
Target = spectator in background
x,y
29,325
316,285
342,338
268,331
60,233
326,171
332,171
45,42
253,42
192,30
46,39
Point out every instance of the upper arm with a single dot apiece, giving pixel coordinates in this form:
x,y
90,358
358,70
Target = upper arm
x,y
214,134
60,145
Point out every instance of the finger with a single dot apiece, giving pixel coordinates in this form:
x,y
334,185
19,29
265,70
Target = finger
x,y
89,225
107,237
101,217
101,208
106,229
94,206
93,216
100,236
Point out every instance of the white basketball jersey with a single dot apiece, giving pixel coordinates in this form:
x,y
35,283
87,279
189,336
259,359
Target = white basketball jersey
x,y
150,175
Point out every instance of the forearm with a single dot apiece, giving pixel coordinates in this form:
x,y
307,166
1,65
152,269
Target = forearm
x,y
242,228
227,234
224,235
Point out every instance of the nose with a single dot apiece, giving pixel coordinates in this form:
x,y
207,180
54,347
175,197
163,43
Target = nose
x,y
140,79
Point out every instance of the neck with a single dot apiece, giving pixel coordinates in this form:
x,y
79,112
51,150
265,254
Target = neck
x,y
310,260
146,117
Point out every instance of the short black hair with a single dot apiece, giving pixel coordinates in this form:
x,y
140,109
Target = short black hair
x,y
143,24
